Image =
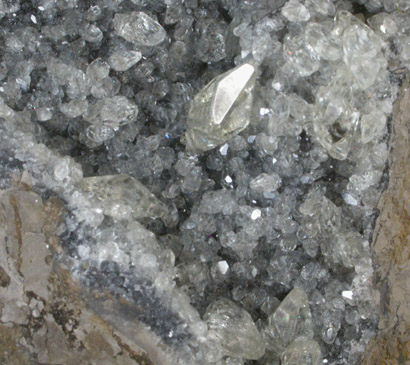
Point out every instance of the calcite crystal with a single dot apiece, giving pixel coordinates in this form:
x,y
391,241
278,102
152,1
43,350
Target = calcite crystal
x,y
221,109
137,27
302,351
292,319
123,197
233,328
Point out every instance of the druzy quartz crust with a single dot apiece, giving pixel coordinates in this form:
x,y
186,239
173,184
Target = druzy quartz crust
x,y
220,163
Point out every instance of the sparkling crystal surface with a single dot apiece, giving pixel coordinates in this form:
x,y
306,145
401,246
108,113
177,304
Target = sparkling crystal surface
x,y
123,197
221,109
137,27
302,351
234,329
292,319
234,155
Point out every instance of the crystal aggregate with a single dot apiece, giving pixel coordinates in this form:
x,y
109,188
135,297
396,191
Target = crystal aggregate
x,y
221,160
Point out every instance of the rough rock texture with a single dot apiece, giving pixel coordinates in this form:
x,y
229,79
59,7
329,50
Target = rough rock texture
x,y
44,318
391,248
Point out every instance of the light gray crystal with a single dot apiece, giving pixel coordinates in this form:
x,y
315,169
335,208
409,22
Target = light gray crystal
x,y
123,197
294,11
302,351
292,319
123,60
234,329
114,111
266,183
137,27
221,109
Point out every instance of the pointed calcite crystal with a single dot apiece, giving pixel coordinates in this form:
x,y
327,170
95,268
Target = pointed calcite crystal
x,y
123,197
233,328
292,319
221,109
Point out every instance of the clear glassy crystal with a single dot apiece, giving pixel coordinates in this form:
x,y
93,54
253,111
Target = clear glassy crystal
x,y
290,320
123,197
137,27
234,329
302,351
221,109
123,60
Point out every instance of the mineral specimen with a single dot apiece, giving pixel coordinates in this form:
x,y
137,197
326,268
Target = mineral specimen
x,y
221,109
223,218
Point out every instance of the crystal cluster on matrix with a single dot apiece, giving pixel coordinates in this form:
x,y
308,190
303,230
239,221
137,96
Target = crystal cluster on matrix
x,y
221,161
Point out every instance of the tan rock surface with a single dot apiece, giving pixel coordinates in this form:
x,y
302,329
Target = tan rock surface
x,y
391,248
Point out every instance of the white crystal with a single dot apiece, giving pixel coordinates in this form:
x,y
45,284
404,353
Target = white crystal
x,y
137,27
256,214
347,294
223,267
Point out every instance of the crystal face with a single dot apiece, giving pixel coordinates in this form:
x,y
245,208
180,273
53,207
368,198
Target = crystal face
x,y
137,27
234,329
292,319
302,351
123,197
221,109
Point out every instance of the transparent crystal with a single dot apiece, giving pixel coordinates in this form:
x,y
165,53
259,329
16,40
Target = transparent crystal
x,y
292,319
337,118
99,133
361,47
300,56
44,114
323,42
266,182
221,109
124,60
74,108
383,24
372,126
123,197
114,111
234,329
302,351
325,7
350,248
294,11
91,33
137,27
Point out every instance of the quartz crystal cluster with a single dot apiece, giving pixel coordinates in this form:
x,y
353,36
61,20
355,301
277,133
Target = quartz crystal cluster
x,y
221,162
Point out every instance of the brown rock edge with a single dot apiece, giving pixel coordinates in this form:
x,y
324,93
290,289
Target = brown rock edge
x,y
391,248
45,316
